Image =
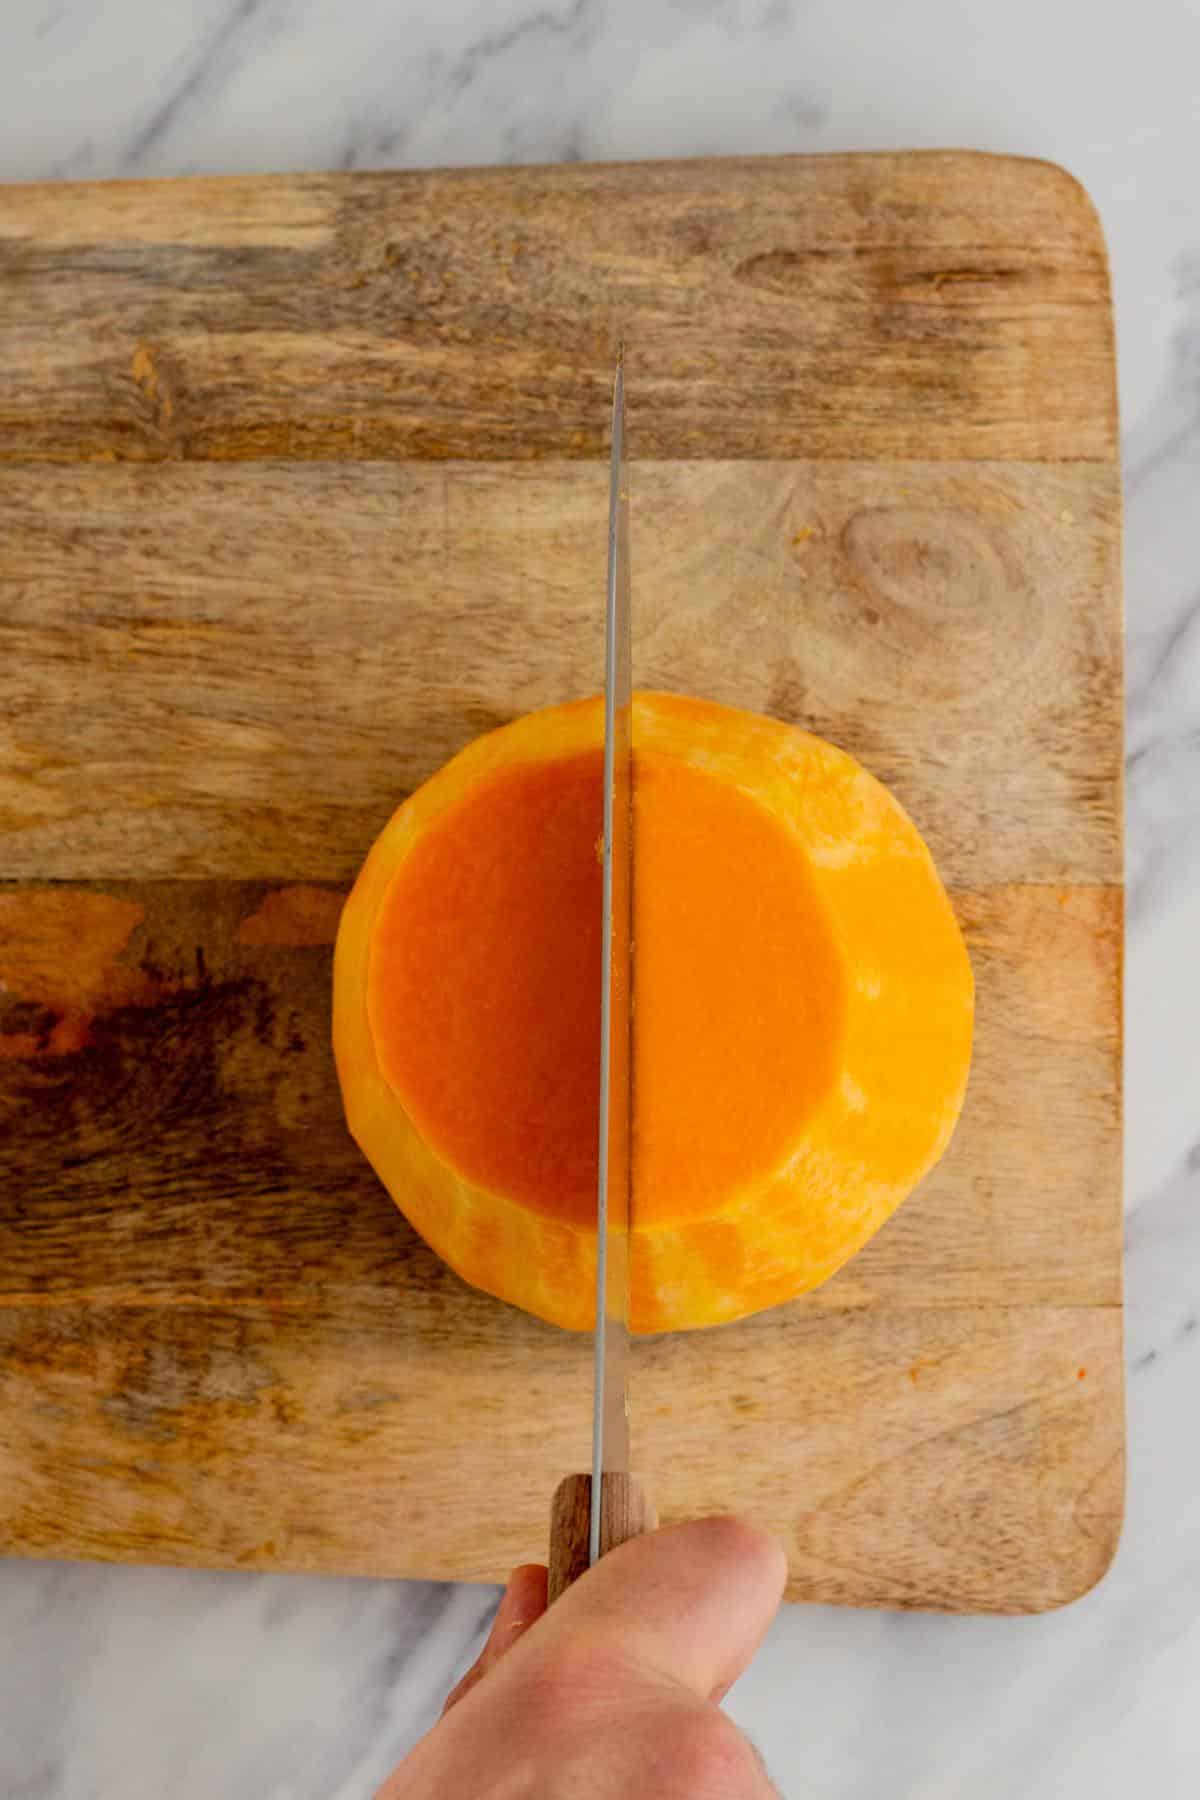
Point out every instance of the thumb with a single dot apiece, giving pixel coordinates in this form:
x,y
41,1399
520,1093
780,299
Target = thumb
x,y
690,1604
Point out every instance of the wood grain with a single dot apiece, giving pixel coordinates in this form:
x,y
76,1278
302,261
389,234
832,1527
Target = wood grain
x,y
876,494
294,647
769,307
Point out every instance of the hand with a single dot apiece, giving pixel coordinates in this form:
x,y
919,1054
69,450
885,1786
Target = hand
x,y
612,1695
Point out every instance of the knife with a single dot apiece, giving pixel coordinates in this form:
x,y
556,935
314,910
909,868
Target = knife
x,y
592,1514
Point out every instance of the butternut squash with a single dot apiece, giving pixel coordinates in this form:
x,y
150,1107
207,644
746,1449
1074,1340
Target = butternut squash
x,y
802,1027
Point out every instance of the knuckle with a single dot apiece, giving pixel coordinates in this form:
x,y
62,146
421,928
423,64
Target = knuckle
x,y
710,1759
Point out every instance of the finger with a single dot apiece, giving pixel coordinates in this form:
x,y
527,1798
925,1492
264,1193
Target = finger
x,y
690,1604
522,1603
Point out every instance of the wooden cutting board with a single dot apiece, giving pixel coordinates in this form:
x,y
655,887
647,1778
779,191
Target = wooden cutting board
x,y
302,485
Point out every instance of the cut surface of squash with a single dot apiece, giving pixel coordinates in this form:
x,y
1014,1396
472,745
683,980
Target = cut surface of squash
x,y
802,1023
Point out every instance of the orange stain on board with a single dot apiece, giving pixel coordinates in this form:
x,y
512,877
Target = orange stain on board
x,y
60,950
293,918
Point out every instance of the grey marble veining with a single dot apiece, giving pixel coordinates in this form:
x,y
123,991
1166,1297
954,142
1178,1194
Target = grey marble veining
x,y
120,1684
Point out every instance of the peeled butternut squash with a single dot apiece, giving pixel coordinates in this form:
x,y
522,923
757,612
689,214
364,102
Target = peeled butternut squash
x,y
802,1026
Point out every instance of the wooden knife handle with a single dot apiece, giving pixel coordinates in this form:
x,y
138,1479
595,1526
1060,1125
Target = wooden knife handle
x,y
625,1513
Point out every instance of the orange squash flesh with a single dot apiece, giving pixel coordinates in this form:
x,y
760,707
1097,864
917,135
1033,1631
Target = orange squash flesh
x,y
802,1027
484,983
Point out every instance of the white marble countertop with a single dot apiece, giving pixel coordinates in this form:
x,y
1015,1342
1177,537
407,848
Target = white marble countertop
x,y
122,1684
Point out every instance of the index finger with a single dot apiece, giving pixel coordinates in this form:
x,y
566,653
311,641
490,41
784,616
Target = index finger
x,y
521,1606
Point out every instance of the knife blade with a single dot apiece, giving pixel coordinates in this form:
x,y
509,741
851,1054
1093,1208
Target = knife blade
x,y
610,1414
593,1514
